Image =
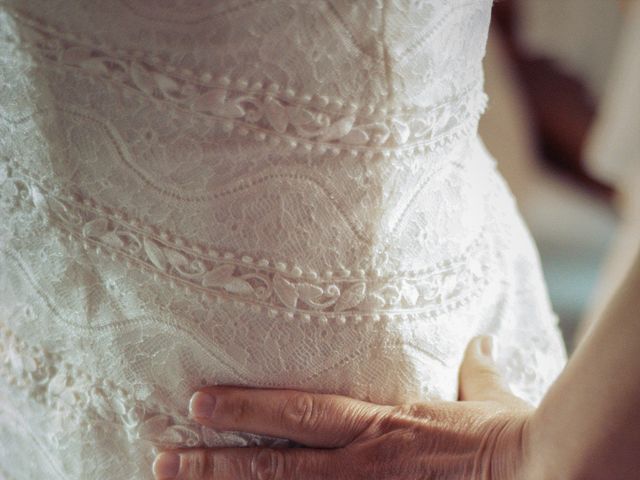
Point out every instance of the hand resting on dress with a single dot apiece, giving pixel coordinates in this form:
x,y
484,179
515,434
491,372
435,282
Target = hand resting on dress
x,y
586,428
481,437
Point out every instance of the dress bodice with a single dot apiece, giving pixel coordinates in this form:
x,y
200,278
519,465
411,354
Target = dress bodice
x,y
266,193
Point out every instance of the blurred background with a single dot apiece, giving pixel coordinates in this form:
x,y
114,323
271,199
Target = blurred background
x,y
563,122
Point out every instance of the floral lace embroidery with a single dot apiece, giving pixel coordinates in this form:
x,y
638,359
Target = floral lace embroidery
x,y
85,401
265,284
279,120
125,182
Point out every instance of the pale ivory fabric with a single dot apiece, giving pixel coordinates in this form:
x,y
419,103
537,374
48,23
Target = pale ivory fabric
x,y
264,193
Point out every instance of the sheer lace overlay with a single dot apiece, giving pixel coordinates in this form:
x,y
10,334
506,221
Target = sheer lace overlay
x,y
267,193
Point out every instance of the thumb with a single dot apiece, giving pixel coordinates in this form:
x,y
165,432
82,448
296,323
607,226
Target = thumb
x,y
479,376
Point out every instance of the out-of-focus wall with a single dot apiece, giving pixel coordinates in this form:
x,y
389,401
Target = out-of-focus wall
x,y
579,35
612,152
577,232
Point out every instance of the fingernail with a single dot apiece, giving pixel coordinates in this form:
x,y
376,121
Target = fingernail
x,y
202,405
487,346
166,466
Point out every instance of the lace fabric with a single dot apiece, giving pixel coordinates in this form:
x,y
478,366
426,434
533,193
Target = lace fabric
x,y
266,193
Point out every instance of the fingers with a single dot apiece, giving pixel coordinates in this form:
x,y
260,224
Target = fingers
x,y
248,464
313,419
479,377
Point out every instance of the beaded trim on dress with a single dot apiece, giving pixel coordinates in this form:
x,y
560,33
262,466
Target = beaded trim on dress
x,y
278,193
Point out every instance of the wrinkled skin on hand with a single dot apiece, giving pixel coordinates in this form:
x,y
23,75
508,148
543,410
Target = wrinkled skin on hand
x,y
483,436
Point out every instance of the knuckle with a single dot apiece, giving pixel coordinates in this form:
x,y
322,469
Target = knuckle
x,y
197,463
486,372
268,464
404,417
400,415
380,423
300,411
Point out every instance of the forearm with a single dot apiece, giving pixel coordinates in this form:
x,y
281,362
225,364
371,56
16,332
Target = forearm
x,y
588,425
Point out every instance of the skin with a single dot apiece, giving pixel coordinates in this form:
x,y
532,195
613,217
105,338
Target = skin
x,y
481,437
587,427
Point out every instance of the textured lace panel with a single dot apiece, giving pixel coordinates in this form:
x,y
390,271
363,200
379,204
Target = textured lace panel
x,y
263,193
204,331
405,54
363,210
279,121
203,320
268,288
197,313
71,411
85,402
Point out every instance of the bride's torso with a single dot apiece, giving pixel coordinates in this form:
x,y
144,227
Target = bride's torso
x,y
277,194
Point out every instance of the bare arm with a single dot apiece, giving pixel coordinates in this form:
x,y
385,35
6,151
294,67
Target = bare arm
x,y
588,425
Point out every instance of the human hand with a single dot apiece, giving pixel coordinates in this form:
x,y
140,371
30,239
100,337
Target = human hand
x,y
482,437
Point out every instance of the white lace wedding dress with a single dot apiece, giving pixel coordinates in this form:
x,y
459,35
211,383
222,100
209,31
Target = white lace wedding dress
x,y
266,193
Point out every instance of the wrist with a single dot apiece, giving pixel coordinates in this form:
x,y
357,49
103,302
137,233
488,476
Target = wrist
x,y
544,457
508,449
533,467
